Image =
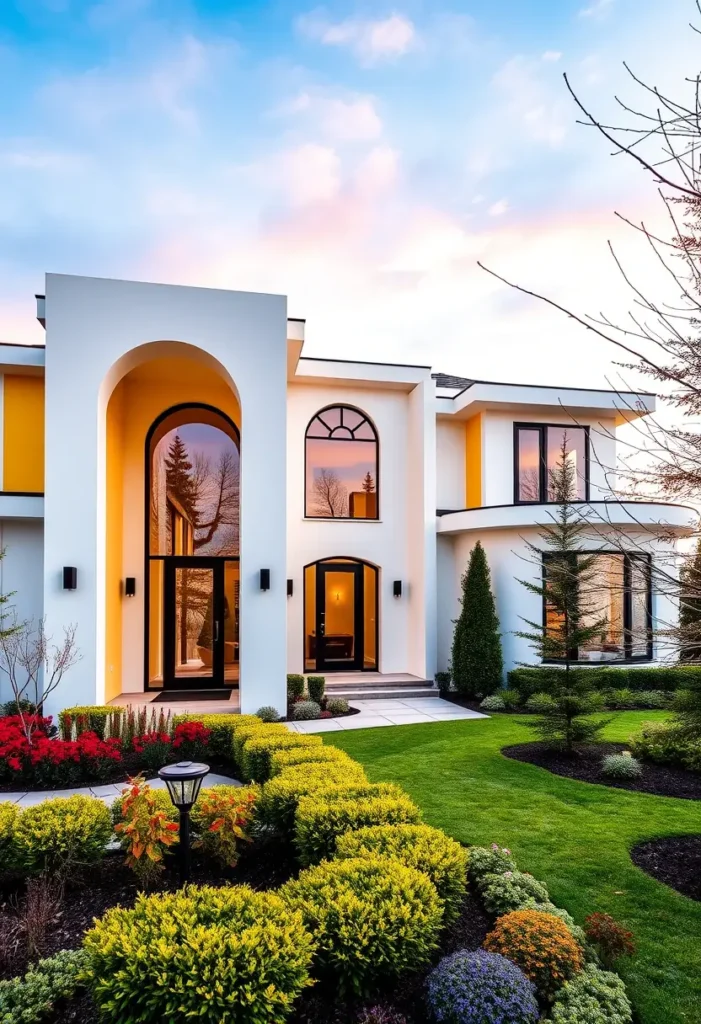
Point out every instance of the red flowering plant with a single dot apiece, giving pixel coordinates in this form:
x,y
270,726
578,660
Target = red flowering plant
x,y
191,739
41,761
153,748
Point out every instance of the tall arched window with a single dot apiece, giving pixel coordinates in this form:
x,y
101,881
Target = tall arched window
x,y
341,455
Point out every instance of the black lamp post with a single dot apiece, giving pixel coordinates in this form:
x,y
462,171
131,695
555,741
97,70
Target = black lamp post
x,y
184,781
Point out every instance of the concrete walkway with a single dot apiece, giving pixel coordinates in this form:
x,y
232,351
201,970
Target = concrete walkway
x,y
108,793
408,711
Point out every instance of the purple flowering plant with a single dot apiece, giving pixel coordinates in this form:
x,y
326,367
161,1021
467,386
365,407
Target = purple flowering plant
x,y
480,988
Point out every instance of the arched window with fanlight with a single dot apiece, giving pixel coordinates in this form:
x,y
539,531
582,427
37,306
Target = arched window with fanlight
x,y
342,461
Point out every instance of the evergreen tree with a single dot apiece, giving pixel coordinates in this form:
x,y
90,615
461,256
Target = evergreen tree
x,y
569,580
368,483
477,659
179,477
690,608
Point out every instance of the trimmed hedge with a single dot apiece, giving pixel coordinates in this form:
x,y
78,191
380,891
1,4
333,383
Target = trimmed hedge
x,y
56,834
204,953
418,846
222,728
9,813
256,752
34,997
281,794
282,759
249,730
372,918
95,716
321,818
544,679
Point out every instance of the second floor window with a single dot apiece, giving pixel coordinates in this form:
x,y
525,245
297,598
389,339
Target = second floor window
x,y
341,454
537,450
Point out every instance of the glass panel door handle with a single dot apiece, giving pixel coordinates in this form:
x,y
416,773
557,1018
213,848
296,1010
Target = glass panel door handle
x,y
216,630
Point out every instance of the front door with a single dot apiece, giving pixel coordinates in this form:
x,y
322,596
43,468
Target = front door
x,y
339,612
195,609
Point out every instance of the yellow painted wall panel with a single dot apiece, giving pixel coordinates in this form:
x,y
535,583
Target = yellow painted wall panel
x,y
23,433
473,462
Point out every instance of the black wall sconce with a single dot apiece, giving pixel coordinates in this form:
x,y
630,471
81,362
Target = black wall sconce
x,y
290,588
70,577
265,579
397,588
130,586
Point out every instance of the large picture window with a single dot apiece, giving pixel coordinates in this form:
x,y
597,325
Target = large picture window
x,y
341,455
537,450
620,593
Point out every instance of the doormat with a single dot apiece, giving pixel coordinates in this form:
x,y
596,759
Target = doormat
x,y
178,696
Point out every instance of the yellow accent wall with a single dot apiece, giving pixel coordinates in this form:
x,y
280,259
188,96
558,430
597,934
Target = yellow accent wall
x,y
136,402
23,434
473,462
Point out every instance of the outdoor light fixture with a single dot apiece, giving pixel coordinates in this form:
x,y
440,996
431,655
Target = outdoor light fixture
x,y
184,781
265,579
397,588
70,577
290,588
130,586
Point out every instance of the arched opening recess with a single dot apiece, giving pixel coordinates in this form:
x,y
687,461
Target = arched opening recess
x,y
340,616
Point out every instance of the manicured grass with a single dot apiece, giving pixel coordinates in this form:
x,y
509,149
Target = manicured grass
x,y
572,835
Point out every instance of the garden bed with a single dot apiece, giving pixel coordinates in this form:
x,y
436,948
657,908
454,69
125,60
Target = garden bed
x,y
673,860
585,766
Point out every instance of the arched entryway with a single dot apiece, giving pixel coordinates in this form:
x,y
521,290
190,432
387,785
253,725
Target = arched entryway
x,y
192,550
340,615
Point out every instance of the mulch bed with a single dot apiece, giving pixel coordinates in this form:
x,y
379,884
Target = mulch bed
x,y
585,766
263,867
674,860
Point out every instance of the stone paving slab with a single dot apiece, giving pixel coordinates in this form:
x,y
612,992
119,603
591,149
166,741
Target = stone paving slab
x,y
402,711
108,793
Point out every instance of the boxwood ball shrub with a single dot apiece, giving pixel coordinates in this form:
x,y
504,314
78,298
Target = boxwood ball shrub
x,y
373,919
502,893
541,945
315,688
621,766
55,835
418,846
325,815
592,997
206,954
268,714
306,711
480,988
33,998
337,706
257,751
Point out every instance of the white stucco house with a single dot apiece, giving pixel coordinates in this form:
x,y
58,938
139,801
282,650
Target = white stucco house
x,y
213,509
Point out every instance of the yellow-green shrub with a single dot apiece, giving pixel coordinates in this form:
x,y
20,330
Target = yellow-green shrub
x,y
222,817
257,751
282,759
418,846
57,834
372,918
327,814
94,718
222,730
205,954
8,850
278,802
257,728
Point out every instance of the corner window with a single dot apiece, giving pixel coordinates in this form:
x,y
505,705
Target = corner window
x,y
341,456
621,593
536,453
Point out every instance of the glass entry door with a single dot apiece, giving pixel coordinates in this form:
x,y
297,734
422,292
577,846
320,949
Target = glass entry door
x,y
339,612
195,609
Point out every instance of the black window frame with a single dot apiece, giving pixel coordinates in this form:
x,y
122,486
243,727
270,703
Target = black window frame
x,y
628,657
542,430
376,441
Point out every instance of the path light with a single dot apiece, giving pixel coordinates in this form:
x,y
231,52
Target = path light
x,y
184,781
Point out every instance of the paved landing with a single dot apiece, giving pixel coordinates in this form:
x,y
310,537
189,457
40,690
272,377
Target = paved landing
x,y
407,711
107,793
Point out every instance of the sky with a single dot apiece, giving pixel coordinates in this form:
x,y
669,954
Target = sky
x,y
358,157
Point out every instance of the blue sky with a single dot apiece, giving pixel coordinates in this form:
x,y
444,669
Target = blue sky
x,y
359,158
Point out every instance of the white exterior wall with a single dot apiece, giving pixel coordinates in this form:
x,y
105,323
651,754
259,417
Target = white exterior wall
x,y
21,575
399,543
93,328
450,464
498,451
509,560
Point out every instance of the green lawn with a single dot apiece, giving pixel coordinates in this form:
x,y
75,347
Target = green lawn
x,y
572,835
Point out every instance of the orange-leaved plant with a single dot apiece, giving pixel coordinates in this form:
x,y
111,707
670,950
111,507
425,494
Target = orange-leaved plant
x,y
222,816
541,945
145,829
612,939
